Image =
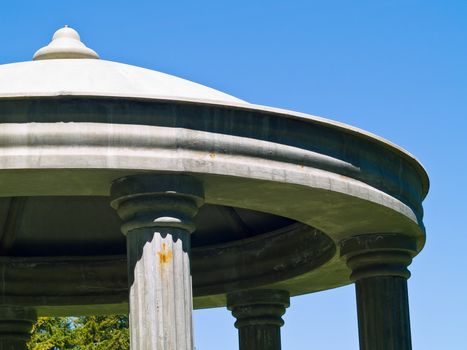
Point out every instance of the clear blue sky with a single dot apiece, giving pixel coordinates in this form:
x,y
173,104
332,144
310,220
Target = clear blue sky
x,y
395,68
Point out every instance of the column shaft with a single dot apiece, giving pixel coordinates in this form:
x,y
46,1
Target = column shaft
x,y
160,292
15,327
259,337
383,313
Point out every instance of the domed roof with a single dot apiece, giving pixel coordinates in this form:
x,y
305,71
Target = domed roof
x,y
67,67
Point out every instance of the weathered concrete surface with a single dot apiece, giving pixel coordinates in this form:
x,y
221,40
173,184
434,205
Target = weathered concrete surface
x,y
261,260
316,172
230,134
259,317
64,286
15,327
158,212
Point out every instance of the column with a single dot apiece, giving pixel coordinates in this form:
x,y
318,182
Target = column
x,y
379,268
259,317
158,212
15,327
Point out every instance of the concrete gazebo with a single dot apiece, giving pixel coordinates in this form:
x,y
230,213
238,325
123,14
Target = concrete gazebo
x,y
222,203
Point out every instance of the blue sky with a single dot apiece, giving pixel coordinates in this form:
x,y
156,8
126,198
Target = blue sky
x,y
395,68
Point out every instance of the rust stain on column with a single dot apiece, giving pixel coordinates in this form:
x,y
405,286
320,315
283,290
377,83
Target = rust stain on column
x,y
165,255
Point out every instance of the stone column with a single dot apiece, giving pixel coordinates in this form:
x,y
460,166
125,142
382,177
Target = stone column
x,y
158,212
15,327
258,313
379,268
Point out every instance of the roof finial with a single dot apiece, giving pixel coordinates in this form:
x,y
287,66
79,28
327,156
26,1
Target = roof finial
x,y
66,43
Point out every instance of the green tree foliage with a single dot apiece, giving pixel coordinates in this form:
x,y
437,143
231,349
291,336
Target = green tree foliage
x,y
81,333
51,334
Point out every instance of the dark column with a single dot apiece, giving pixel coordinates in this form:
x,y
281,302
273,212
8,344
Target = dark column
x,y
379,268
15,327
158,213
259,317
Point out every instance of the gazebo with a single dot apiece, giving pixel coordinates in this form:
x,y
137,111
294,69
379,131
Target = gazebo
x,y
221,203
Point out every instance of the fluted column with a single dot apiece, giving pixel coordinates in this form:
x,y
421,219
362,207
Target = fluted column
x,y
379,268
158,212
15,327
259,317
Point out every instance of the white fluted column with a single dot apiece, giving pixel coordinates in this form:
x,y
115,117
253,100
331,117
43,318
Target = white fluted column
x,y
158,212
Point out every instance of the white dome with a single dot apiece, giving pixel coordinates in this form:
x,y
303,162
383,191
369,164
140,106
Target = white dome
x,y
92,77
62,68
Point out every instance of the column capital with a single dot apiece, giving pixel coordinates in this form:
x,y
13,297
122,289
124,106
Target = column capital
x,y
15,326
385,254
157,200
258,307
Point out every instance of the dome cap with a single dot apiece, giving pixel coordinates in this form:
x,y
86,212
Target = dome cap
x,y
66,43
